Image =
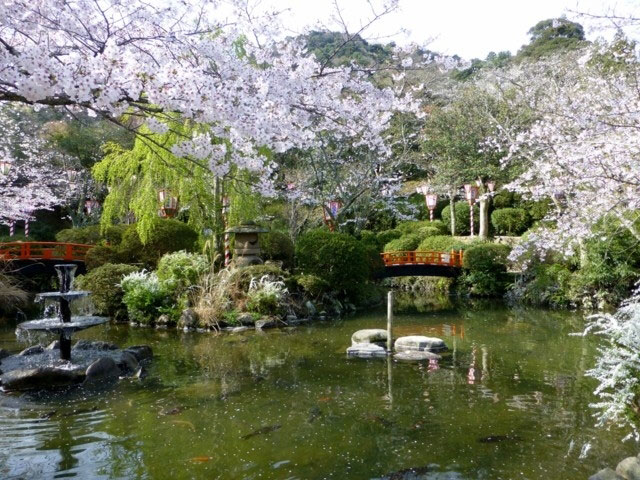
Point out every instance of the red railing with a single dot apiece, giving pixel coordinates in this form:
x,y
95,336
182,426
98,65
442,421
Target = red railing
x,y
43,251
447,259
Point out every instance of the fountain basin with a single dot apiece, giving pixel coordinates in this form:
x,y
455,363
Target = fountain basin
x,y
54,325
63,295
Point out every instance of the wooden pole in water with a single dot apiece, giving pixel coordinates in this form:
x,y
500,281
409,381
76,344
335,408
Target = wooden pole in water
x,y
389,320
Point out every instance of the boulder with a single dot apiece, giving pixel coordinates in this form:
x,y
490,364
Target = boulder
x,y
420,344
102,369
291,318
41,378
369,335
4,353
188,319
163,321
266,322
34,350
415,356
629,468
95,345
311,308
246,319
366,350
55,345
141,352
128,362
239,329
605,474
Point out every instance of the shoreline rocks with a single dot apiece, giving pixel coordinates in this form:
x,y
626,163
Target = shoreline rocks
x,y
420,344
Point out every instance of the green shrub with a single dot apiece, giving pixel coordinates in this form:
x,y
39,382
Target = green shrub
x,y
241,277
425,232
510,221
100,255
146,298
168,235
462,217
403,244
265,296
277,246
368,237
89,235
505,199
412,226
386,236
312,285
485,266
106,293
181,270
338,258
113,234
440,243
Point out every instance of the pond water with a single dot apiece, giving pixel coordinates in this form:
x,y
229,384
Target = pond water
x,y
509,402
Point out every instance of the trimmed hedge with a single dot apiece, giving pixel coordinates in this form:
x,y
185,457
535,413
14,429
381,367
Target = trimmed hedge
x,y
104,284
485,266
277,246
510,221
403,244
386,236
441,243
462,217
100,255
88,235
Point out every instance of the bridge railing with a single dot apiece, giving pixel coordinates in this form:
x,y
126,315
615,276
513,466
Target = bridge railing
x,y
449,259
43,251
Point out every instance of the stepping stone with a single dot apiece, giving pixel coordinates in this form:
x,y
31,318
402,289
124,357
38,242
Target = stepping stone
x,y
420,344
415,356
366,350
370,335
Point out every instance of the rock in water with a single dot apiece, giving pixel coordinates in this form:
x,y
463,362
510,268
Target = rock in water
x,y
188,319
415,356
370,335
3,353
311,308
141,352
366,350
41,378
96,345
629,468
31,350
605,474
55,345
102,369
266,322
128,362
420,344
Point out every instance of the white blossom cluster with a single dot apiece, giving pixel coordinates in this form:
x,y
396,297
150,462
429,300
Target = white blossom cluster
x,y
138,57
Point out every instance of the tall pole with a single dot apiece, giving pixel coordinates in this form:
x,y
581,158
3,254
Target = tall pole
x,y
227,237
12,228
471,216
389,320
26,228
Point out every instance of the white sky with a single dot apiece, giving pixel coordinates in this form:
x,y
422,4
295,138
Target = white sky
x,y
469,28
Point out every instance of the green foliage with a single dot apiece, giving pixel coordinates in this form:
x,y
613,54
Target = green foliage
x,y
412,226
104,284
313,285
386,236
405,243
146,297
331,47
485,266
101,255
462,217
181,270
241,277
277,246
553,36
510,221
339,259
265,296
89,235
441,243
538,210
165,236
505,199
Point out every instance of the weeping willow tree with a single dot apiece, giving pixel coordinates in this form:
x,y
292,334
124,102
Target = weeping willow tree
x,y
135,176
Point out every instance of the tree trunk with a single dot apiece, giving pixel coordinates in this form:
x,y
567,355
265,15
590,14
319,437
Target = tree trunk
x,y
483,231
453,213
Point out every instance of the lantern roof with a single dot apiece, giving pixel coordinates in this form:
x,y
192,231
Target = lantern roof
x,y
247,227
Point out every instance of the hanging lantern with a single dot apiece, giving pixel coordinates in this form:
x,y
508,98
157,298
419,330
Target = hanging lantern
x,y
91,205
491,185
331,208
471,193
432,202
168,204
5,166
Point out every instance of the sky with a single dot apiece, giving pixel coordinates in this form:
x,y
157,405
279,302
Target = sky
x,y
469,28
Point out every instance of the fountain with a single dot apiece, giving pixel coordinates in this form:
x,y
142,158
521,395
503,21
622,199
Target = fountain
x,y
38,368
64,325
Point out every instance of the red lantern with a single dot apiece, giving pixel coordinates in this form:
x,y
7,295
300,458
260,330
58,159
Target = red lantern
x,y
330,212
471,193
168,204
91,205
432,202
491,185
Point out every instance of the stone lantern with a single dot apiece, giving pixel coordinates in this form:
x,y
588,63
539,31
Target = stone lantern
x,y
247,247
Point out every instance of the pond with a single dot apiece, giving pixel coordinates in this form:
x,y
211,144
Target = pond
x,y
509,401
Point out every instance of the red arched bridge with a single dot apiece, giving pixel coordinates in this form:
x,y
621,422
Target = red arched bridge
x,y
39,257
425,264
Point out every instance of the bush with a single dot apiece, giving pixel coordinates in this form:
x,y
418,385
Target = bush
x,y
265,296
386,236
277,246
147,298
425,232
485,266
339,259
167,235
412,226
312,285
106,293
510,221
462,217
100,255
181,270
440,243
403,244
241,277
89,235
505,199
